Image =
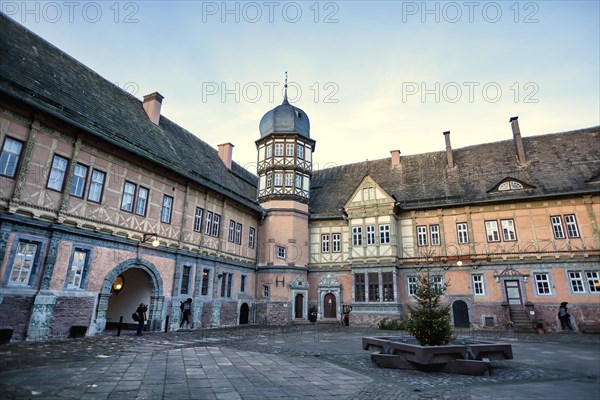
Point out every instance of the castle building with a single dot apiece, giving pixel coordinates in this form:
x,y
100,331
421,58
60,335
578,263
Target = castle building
x,y
105,204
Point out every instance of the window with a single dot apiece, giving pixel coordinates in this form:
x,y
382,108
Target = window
x,y
58,170
491,231
557,227
593,281
438,282
231,233
412,285
128,196
336,239
478,288
216,225
368,194
357,236
205,281
508,230
229,284
421,236
269,180
278,149
77,269
251,239
278,178
223,284
141,204
265,291
576,281
384,234
79,179
269,151
280,252
300,151
370,234
185,279
571,223
373,286
238,233
242,283
23,263
324,243
434,234
208,223
298,181
96,186
542,284
462,233
289,150
388,286
510,185
167,206
9,158
359,287
198,219
289,179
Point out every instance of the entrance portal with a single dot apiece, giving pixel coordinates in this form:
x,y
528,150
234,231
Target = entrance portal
x,y
513,292
460,312
329,306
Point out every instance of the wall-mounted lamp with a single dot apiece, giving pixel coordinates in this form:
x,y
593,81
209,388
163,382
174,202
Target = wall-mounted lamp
x,y
459,263
118,284
148,236
525,279
497,279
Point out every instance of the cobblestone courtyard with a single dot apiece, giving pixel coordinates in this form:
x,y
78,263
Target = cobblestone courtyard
x,y
293,362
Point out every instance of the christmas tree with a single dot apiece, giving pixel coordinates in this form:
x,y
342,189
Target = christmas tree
x,y
429,320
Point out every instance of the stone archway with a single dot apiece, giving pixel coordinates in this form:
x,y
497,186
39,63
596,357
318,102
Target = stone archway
x,y
329,289
155,307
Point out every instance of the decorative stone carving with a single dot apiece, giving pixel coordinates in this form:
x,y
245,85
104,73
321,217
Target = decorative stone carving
x,y
329,281
299,283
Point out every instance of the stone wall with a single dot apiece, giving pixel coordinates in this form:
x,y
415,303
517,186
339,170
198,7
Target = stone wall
x,y
479,313
273,313
229,314
14,314
206,316
68,312
368,319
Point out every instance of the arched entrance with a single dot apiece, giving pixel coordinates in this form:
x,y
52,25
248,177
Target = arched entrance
x,y
298,308
460,312
329,306
142,283
244,313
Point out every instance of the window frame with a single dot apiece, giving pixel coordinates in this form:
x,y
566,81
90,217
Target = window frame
x,y
205,284
359,287
165,216
78,178
511,231
198,219
357,236
591,280
421,235
16,164
492,232
231,232
280,252
336,242
558,229
278,151
412,282
462,228
32,274
325,248
577,276
138,199
387,286
370,230
242,283
130,195
571,226
184,287
542,283
478,284
374,289
289,150
216,225
238,233
384,234
84,269
251,237
434,235
300,151
94,184
63,174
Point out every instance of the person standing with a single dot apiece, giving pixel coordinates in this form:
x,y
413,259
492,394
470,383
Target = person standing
x,y
141,311
564,317
186,309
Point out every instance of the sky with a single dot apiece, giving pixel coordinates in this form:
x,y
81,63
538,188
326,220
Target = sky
x,y
372,76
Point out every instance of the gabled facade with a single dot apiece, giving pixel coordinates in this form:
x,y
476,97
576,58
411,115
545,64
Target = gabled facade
x,y
91,176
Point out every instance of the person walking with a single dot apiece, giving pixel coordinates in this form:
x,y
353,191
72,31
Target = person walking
x,y
186,309
141,312
564,317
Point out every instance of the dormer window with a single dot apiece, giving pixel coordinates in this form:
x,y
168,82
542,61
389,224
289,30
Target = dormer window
x,y
510,185
298,114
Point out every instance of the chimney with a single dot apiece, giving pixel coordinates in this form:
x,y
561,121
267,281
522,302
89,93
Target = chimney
x,y
514,123
225,154
395,157
448,149
152,103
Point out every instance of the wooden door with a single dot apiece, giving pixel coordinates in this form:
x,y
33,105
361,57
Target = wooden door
x,y
298,305
513,292
329,306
